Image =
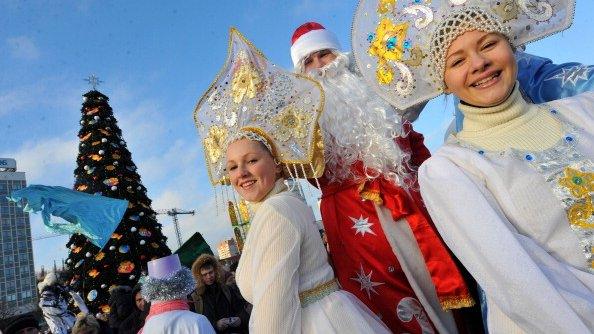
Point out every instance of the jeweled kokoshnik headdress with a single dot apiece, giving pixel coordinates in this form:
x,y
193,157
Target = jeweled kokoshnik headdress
x,y
253,98
400,45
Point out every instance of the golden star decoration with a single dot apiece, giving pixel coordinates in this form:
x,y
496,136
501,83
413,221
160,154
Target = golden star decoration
x,y
246,80
214,142
384,73
290,122
388,41
579,183
580,213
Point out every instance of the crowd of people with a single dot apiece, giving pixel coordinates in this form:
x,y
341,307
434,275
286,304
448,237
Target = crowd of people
x,y
491,234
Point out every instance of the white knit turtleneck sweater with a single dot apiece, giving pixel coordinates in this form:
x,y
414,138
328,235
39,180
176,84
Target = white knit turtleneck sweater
x,y
511,124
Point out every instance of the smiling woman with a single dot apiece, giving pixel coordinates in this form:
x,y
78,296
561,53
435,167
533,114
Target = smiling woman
x,y
252,169
512,193
480,68
283,271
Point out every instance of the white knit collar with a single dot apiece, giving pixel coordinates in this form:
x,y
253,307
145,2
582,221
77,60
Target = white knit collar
x,y
479,118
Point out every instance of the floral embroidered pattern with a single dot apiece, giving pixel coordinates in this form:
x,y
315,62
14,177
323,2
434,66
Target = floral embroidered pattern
x,y
214,143
388,41
291,123
246,80
579,183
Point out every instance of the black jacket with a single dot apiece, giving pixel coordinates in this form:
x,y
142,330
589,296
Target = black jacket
x,y
222,301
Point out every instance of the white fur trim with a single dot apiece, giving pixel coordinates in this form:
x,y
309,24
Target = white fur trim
x,y
313,41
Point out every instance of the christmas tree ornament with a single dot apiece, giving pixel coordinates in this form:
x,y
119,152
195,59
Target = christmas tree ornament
x,y
103,286
93,273
112,181
82,122
131,277
78,264
88,254
133,229
144,232
142,242
125,267
114,188
124,249
86,167
99,256
101,152
104,140
96,118
134,218
111,247
92,295
141,213
121,142
116,163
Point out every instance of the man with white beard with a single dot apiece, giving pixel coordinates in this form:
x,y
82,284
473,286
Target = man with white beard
x,y
383,246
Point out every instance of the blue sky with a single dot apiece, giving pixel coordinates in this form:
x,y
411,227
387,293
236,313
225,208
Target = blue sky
x,y
156,58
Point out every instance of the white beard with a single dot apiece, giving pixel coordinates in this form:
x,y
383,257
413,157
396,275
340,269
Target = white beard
x,y
358,125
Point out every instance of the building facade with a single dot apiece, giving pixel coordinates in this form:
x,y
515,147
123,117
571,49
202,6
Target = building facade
x,y
18,290
227,249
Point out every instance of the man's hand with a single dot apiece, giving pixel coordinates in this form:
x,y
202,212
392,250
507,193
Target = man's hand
x,y
234,322
222,324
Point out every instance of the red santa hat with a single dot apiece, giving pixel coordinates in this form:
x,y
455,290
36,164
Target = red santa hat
x,y
311,37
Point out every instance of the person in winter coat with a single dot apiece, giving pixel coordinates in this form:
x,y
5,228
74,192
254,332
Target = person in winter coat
x,y
221,303
134,322
121,306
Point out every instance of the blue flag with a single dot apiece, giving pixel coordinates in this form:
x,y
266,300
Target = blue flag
x,y
94,216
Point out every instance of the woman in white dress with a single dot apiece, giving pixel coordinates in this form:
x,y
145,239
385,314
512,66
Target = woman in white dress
x,y
259,125
512,193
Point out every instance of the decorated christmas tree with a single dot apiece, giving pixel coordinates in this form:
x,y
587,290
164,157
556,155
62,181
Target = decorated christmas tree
x,y
105,167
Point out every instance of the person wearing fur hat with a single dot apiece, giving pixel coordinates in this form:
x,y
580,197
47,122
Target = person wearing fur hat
x,y
511,194
53,302
221,303
166,287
